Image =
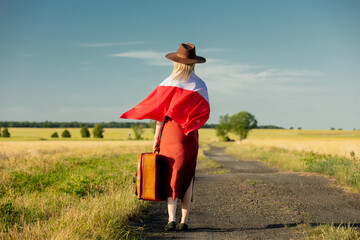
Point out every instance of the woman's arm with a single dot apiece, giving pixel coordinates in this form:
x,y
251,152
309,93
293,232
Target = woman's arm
x,y
157,132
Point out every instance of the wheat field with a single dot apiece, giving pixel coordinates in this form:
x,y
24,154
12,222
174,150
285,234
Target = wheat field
x,y
335,142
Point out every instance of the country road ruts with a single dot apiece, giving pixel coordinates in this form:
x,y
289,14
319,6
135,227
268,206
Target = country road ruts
x,y
253,201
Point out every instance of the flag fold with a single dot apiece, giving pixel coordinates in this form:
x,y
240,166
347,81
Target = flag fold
x,y
186,102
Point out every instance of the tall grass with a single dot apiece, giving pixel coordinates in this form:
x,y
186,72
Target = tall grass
x,y
332,232
346,147
68,190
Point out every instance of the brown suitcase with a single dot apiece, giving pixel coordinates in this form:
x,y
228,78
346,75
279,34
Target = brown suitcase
x,y
148,181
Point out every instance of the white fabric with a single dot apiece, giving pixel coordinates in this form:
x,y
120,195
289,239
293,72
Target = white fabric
x,y
194,83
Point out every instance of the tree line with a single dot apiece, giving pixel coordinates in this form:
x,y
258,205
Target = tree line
x,y
75,124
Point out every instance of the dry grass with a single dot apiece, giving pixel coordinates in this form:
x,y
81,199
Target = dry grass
x,y
68,190
21,134
21,155
334,142
332,232
337,147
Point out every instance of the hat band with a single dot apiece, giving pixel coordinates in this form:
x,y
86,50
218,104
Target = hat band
x,y
184,56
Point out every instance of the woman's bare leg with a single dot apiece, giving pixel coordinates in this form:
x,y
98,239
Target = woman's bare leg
x,y
172,208
185,203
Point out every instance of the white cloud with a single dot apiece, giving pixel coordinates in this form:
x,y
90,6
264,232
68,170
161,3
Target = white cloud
x,y
150,57
230,78
111,44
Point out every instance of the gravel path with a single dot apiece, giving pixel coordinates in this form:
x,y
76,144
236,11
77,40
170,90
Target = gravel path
x,y
253,201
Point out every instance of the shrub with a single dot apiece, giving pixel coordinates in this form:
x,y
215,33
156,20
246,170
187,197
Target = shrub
x,y
55,135
138,130
5,133
66,134
223,128
85,132
98,131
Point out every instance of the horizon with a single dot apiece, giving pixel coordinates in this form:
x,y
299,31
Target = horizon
x,y
206,125
290,64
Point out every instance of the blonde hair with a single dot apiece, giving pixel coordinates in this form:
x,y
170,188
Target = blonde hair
x,y
182,71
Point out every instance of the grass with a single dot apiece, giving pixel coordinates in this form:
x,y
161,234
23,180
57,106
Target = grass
x,y
250,182
83,188
332,232
21,134
335,142
219,171
345,171
68,190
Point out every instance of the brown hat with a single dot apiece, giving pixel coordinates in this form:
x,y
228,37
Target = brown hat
x,y
185,54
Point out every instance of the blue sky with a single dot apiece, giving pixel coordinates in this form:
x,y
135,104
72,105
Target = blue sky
x,y
290,63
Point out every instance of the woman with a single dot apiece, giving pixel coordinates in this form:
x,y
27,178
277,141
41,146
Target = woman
x,y
181,105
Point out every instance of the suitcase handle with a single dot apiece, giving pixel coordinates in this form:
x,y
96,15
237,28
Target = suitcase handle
x,y
157,149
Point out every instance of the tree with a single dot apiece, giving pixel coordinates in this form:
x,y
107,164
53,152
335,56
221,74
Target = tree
x,y
0,131
152,124
98,131
291,128
66,134
138,130
224,127
241,123
55,135
5,133
85,132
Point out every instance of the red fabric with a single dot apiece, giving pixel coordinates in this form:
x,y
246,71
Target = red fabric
x,y
179,152
188,108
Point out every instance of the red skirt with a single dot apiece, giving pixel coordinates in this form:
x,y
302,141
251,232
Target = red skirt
x,y
179,152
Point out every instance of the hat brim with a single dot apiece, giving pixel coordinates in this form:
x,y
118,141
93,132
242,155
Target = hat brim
x,y
174,57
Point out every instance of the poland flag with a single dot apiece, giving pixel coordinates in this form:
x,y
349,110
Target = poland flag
x,y
186,102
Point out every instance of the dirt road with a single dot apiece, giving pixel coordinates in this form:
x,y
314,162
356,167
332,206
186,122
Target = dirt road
x,y
253,201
